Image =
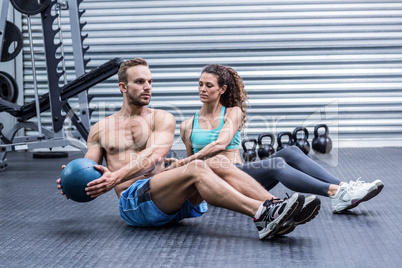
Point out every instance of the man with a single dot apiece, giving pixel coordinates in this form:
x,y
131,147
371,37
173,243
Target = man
x,y
134,142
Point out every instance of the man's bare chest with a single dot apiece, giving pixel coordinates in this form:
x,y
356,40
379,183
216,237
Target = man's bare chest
x,y
123,135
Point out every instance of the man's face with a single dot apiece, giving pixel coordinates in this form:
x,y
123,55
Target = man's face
x,y
139,85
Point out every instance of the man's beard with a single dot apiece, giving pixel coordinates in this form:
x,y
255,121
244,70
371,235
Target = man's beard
x,y
137,102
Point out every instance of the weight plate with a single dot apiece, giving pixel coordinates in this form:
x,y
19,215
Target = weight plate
x,y
12,40
8,87
30,7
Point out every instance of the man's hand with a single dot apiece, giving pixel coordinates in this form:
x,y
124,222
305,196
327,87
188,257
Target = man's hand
x,y
103,184
59,184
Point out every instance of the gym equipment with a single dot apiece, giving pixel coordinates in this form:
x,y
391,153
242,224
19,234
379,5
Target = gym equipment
x,y
303,143
249,155
281,144
30,7
50,154
12,41
265,150
34,79
8,87
84,82
322,143
28,110
3,22
56,100
75,177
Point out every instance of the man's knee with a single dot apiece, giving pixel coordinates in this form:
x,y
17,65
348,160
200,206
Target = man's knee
x,y
198,165
218,162
199,171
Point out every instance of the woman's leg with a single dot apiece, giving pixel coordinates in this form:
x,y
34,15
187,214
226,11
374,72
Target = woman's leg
x,y
272,170
239,180
297,159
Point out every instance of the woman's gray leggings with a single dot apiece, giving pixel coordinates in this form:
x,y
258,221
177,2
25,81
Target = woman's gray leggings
x,y
292,168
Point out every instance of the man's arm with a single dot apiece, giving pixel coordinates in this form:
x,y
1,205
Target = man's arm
x,y
158,145
94,152
94,149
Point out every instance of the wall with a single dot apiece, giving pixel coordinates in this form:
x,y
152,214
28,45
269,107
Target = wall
x,y
303,62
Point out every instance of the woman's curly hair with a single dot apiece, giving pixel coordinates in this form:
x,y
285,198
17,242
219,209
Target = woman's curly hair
x,y
235,94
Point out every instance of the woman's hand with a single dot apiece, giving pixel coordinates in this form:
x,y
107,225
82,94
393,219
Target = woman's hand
x,y
173,163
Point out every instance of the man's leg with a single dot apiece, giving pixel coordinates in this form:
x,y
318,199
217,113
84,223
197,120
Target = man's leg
x,y
170,189
238,179
247,185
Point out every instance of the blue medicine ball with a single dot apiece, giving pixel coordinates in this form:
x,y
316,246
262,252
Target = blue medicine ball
x,y
75,177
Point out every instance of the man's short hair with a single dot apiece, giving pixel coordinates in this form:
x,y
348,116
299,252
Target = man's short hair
x,y
122,74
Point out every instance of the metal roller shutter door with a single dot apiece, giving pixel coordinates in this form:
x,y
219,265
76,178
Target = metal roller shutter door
x,y
303,62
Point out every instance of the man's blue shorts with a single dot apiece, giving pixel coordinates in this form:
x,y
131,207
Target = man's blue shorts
x,y
137,208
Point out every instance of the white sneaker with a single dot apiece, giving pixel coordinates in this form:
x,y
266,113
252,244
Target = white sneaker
x,y
373,188
347,197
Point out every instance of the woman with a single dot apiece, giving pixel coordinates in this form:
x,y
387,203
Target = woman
x,y
215,129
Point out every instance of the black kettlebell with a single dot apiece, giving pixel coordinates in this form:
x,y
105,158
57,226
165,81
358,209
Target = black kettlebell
x,y
281,144
249,155
303,143
265,150
321,143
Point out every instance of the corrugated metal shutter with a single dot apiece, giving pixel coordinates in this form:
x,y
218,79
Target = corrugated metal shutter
x,y
303,62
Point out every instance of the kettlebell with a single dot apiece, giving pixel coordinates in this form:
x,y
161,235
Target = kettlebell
x,y
321,143
303,143
282,145
265,150
249,155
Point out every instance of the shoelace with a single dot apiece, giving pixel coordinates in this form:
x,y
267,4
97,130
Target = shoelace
x,y
278,200
351,188
269,202
287,197
357,183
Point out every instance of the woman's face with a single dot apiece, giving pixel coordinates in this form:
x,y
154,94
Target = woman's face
x,y
209,89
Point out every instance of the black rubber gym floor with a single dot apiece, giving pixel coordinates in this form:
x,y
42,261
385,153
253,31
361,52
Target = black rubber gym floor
x,y
39,228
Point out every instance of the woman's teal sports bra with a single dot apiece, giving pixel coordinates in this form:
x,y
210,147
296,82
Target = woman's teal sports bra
x,y
201,138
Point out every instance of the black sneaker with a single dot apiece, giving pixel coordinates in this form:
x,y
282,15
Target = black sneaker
x,y
276,213
310,209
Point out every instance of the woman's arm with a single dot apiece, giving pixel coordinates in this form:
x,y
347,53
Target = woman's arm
x,y
185,132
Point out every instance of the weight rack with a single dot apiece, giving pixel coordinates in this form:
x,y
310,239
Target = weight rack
x,y
57,98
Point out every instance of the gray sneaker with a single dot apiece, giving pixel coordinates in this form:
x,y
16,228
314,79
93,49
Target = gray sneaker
x,y
277,213
310,209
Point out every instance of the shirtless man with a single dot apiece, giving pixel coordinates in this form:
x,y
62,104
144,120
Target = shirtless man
x,y
134,142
